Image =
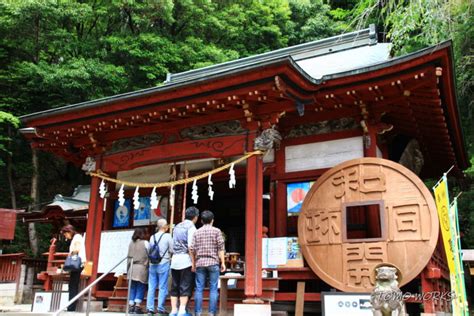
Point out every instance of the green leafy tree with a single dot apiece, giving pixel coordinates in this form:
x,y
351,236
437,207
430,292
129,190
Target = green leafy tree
x,y
313,19
412,25
54,53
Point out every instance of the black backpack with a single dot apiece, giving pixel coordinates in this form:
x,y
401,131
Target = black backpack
x,y
155,254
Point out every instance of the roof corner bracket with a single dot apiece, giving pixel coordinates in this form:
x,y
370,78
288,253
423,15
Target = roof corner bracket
x,y
299,107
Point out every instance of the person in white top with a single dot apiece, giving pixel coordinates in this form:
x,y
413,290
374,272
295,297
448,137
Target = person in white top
x,y
77,247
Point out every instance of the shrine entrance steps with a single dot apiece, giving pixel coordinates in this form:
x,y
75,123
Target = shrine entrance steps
x,y
117,302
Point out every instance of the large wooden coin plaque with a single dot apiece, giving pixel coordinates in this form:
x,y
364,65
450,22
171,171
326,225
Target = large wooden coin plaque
x,y
408,221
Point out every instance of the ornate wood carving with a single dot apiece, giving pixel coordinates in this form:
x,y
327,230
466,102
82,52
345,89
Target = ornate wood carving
x,y
268,139
217,147
323,127
213,130
135,143
409,219
412,157
89,165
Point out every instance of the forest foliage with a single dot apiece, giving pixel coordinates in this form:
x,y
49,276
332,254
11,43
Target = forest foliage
x,y
59,52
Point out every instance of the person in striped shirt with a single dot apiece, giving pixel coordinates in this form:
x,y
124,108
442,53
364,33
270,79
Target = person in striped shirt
x,y
207,254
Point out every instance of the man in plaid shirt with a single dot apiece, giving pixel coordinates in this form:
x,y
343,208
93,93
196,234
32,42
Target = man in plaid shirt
x,y
207,249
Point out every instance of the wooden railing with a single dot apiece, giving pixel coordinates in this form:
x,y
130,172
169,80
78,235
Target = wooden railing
x,y
10,267
55,260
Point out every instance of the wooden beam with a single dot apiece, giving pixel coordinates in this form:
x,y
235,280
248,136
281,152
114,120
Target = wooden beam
x,y
174,126
322,137
310,116
308,297
299,175
216,147
297,274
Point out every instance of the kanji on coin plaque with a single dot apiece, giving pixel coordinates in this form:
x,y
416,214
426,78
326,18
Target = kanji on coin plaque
x,y
364,212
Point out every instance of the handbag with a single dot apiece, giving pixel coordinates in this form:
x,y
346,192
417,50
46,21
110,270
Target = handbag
x,y
73,263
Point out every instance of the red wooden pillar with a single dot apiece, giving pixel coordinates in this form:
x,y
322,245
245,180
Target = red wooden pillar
x,y
94,225
272,211
281,212
253,227
427,286
108,212
370,142
281,218
108,219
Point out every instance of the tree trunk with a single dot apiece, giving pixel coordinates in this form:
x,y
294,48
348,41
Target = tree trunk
x,y
34,201
10,180
10,171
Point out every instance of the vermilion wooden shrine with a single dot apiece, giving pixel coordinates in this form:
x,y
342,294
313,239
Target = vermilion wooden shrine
x,y
344,89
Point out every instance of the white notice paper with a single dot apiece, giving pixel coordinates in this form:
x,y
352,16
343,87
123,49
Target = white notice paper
x,y
277,251
113,248
264,253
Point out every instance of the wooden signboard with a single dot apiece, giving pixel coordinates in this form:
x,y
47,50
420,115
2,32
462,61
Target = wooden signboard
x,y
322,155
7,224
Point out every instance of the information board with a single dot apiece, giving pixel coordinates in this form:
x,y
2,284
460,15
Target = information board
x,y
42,301
281,252
343,304
113,248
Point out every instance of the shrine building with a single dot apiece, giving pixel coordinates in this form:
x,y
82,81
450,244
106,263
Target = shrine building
x,y
333,106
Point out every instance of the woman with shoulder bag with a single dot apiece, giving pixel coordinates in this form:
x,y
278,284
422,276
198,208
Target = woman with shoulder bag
x,y
138,256
77,248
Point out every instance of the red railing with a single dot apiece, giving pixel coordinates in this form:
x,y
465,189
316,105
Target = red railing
x,y
10,267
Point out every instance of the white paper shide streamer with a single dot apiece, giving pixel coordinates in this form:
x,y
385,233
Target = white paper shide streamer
x,y
136,199
211,192
154,199
121,197
103,193
102,189
232,181
172,192
194,193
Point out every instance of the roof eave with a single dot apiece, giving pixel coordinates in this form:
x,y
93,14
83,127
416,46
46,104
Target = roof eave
x,y
362,37
161,89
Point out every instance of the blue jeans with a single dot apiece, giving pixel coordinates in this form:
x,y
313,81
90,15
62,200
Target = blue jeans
x,y
137,292
157,276
201,274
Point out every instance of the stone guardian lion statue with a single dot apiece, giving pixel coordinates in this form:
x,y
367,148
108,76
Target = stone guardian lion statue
x,y
387,298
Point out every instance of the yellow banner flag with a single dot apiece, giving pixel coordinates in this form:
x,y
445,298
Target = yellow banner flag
x,y
442,204
460,302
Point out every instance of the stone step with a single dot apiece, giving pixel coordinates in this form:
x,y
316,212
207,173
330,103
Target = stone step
x,y
267,284
118,304
123,292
